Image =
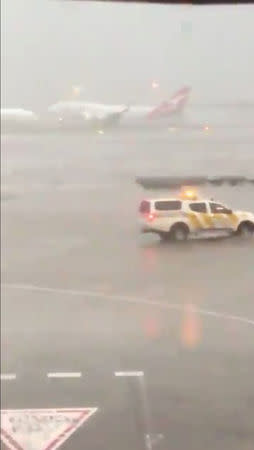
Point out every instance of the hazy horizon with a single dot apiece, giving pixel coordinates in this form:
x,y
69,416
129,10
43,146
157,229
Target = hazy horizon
x,y
115,51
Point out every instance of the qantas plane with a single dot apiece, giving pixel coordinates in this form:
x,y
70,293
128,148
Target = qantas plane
x,y
110,115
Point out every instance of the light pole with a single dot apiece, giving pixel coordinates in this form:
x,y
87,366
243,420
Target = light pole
x,y
138,392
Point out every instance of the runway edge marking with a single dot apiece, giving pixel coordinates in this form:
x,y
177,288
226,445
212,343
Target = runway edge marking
x,y
129,373
119,298
64,374
41,429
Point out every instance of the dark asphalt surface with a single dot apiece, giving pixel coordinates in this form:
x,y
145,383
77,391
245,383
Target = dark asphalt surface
x,y
82,291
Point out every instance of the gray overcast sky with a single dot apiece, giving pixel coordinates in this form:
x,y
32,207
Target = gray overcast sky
x,y
116,50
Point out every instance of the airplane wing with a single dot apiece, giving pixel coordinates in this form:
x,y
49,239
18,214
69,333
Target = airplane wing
x,y
175,105
17,114
114,117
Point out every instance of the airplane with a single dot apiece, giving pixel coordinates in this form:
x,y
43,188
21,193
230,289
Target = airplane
x,y
102,115
17,114
17,119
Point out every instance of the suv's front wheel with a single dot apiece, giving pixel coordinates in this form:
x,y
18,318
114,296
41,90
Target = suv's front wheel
x,y
246,229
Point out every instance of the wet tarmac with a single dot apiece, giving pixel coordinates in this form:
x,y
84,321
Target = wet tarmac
x,y
84,293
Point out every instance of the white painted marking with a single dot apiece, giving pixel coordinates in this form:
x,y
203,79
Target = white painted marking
x,y
8,376
64,375
130,374
41,429
134,300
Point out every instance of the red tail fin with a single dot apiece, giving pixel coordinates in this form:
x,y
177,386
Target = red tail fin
x,y
175,104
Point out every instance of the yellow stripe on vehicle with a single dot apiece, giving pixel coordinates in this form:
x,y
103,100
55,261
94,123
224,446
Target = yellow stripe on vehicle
x,y
226,219
207,220
234,219
220,219
194,221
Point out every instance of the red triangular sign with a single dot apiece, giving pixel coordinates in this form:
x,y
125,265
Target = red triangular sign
x,y
41,429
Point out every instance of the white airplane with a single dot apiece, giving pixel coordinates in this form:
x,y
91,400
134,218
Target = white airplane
x,y
102,114
17,115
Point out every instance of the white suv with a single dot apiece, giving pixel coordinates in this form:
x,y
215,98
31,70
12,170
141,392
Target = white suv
x,y
181,219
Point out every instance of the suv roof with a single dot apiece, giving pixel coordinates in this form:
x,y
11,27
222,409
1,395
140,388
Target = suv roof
x,y
175,199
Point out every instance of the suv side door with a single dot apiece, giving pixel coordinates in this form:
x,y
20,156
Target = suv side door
x,y
221,216
199,216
